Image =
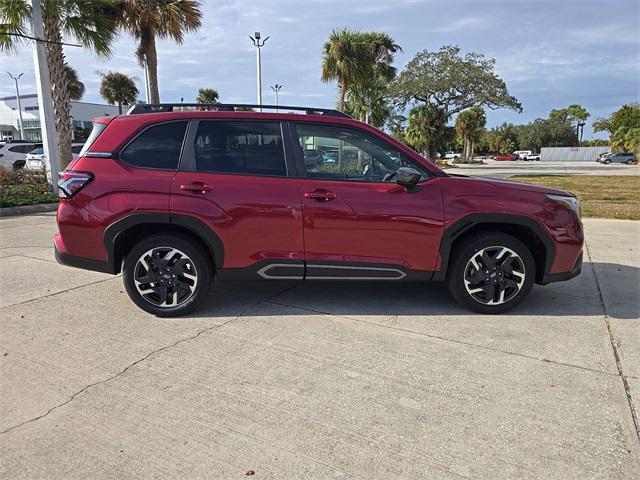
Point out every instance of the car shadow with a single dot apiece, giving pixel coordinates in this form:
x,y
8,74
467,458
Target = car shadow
x,y
577,297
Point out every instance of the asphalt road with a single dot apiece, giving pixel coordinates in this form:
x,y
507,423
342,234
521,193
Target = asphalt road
x,y
317,381
494,168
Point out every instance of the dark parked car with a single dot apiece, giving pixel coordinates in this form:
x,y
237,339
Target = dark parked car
x,y
620,157
173,198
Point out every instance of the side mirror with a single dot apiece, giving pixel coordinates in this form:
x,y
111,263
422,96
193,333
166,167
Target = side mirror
x,y
408,178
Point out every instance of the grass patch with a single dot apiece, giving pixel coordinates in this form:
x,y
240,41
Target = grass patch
x,y
606,196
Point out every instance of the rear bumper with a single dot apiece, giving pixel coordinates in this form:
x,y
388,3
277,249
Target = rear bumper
x,y
79,262
563,276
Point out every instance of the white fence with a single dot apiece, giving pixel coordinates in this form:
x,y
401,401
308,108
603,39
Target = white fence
x,y
572,154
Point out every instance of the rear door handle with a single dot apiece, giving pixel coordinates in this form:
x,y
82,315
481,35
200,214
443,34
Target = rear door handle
x,y
196,187
320,195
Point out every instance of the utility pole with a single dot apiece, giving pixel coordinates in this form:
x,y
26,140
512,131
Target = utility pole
x,y
45,100
276,89
15,79
258,44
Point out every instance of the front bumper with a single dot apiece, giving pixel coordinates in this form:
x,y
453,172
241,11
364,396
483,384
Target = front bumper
x,y
563,276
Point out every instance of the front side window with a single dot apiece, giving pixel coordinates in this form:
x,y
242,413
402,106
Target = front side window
x,y
341,153
249,148
156,147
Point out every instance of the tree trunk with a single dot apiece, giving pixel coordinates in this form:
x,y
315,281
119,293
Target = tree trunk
x,y
59,92
151,57
343,94
119,108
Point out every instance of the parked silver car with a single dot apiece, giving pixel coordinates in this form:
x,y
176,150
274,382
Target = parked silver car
x,y
620,157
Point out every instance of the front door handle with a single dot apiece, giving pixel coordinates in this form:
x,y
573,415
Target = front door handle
x,y
320,195
196,187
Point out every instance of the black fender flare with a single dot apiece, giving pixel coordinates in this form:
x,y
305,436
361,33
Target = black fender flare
x,y
453,231
192,224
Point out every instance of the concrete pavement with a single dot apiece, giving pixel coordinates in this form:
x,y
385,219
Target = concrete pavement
x,y
340,380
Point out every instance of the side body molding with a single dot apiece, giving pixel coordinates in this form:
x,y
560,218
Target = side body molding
x,y
456,229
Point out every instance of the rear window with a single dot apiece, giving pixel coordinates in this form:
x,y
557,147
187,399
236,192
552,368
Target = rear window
x,y
249,148
156,147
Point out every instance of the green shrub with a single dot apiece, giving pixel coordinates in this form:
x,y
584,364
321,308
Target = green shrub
x,y
24,187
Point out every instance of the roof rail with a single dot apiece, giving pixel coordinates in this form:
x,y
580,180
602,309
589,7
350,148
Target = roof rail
x,y
226,107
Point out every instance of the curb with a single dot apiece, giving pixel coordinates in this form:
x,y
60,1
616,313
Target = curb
x,y
28,209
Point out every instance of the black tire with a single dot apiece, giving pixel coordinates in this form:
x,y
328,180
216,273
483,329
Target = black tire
x,y
607,162
193,289
461,266
630,162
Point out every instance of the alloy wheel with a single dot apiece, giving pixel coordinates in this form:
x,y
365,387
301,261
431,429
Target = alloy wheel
x,y
165,277
494,275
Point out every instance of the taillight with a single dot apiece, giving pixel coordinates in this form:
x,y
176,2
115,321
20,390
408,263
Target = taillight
x,y
71,182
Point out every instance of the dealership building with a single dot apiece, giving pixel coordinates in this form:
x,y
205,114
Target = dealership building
x,y
81,115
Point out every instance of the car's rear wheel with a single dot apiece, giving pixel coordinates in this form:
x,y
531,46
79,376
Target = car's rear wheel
x,y
607,162
491,272
167,275
630,162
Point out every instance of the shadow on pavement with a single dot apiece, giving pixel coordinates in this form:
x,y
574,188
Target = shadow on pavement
x,y
577,297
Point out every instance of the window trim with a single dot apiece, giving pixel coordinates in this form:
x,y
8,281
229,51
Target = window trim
x,y
188,158
118,154
302,168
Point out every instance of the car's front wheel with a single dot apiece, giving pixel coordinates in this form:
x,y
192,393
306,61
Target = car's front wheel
x,y
167,275
491,272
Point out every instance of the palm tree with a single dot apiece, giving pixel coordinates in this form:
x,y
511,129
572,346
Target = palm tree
x,y
355,58
147,20
344,60
469,125
425,129
91,23
369,102
207,95
75,87
118,88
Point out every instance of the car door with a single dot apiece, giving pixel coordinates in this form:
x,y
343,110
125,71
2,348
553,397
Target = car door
x,y
235,178
358,223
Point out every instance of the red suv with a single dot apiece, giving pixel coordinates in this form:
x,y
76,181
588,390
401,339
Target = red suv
x,y
172,198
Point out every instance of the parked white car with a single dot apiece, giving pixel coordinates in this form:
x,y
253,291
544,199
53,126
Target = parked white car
x,y
533,156
450,155
13,154
36,160
522,154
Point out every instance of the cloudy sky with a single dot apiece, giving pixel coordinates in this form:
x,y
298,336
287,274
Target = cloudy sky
x,y
551,53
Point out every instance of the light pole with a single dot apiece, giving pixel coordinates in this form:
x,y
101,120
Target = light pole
x,y
258,44
276,89
15,79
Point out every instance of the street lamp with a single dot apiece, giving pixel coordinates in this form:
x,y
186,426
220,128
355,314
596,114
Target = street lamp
x,y
15,79
276,89
258,44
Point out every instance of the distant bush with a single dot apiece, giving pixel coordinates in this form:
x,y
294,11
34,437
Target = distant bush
x,y
24,187
465,161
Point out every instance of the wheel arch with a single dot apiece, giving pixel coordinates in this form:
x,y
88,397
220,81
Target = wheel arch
x,y
525,229
121,235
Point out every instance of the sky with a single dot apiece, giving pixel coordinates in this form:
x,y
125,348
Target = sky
x,y
550,53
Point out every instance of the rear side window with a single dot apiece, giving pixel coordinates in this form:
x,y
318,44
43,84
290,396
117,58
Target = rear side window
x,y
156,147
250,148
95,133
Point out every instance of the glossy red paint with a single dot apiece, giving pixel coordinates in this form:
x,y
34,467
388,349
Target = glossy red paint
x,y
259,218
506,158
